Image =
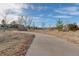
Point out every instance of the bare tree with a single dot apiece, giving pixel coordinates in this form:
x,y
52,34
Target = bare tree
x,y
13,24
33,25
43,24
4,26
5,14
20,20
29,21
25,20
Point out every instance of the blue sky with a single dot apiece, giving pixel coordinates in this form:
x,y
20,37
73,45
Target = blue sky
x,y
48,13
51,12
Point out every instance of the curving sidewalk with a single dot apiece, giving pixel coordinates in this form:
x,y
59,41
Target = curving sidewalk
x,y
45,45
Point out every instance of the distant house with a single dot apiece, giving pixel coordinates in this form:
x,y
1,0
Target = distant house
x,y
21,27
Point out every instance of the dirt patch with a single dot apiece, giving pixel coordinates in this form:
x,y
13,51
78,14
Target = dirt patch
x,y
14,43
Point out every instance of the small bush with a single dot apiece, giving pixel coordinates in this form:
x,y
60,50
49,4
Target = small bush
x,y
73,27
59,25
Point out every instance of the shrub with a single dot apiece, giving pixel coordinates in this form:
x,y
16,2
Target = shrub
x,y
59,25
73,27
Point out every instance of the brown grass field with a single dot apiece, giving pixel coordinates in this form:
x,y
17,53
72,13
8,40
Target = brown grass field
x,y
14,43
69,36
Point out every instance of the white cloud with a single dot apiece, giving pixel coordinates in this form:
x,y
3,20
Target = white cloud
x,y
12,10
68,10
37,7
61,16
10,7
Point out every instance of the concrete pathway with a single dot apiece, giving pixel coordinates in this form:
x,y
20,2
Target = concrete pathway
x,y
45,45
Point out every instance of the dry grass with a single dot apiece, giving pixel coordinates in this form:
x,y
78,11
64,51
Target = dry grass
x,y
69,36
14,43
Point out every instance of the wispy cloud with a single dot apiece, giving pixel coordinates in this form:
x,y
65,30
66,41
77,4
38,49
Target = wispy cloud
x,y
76,4
68,10
37,7
62,16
